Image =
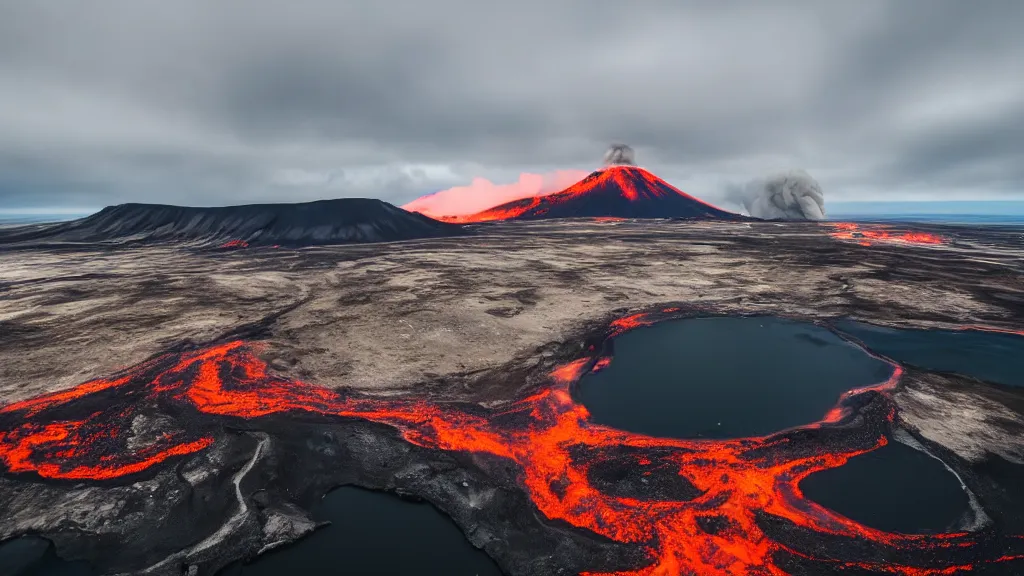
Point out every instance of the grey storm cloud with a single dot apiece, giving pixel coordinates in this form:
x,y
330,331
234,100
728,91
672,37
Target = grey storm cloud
x,y
250,100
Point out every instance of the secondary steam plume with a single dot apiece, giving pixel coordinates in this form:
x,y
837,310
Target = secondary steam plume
x,y
482,194
618,155
792,195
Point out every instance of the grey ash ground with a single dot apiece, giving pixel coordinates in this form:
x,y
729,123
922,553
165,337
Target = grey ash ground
x,y
478,318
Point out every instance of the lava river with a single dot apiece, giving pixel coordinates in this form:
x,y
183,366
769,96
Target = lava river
x,y
745,485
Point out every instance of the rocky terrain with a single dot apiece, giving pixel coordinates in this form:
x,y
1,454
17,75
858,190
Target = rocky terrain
x,y
479,320
444,311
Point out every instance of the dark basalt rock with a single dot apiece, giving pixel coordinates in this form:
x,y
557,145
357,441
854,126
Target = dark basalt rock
x,y
342,221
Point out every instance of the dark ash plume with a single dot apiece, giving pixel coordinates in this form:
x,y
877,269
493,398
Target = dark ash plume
x,y
792,195
618,155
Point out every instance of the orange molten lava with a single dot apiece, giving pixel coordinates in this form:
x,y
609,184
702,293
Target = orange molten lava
x,y
235,244
633,183
878,233
482,194
740,481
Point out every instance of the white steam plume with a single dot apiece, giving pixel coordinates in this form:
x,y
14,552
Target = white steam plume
x,y
792,195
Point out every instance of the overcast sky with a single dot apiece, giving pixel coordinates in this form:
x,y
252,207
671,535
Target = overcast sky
x,y
217,101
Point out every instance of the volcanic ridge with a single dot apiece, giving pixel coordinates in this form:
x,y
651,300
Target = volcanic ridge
x,y
623,191
341,221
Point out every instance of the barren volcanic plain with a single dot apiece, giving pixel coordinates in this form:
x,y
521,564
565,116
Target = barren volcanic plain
x,y
170,410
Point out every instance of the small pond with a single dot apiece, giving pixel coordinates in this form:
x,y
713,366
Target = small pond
x,y
895,488
989,356
34,556
731,377
374,533
725,377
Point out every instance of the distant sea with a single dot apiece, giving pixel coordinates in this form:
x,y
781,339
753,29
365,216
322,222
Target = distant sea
x,y
987,212
975,219
978,213
18,219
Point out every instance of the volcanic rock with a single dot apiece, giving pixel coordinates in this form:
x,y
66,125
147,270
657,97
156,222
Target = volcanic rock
x,y
342,221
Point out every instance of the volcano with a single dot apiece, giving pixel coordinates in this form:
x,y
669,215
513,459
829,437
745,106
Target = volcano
x,y
341,221
622,191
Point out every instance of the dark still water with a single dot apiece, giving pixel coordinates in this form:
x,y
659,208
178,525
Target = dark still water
x,y
373,533
988,356
895,488
34,556
725,377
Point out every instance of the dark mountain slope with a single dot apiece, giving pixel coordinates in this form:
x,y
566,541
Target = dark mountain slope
x,y
615,191
343,221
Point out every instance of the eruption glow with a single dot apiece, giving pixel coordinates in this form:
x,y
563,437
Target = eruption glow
x,y
534,195
633,183
483,194
721,532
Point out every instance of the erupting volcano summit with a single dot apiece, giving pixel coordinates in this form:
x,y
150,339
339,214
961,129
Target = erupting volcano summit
x,y
619,189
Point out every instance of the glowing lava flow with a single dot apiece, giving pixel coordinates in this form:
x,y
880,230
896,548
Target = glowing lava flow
x,y
235,244
878,233
634,183
719,533
629,183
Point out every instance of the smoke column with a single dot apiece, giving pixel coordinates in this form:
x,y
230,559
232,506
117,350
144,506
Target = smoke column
x,y
619,155
792,195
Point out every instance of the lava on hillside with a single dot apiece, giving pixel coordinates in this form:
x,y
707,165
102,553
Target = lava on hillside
x,y
743,515
866,235
619,191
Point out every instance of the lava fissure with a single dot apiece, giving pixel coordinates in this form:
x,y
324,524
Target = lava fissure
x,y
718,528
867,235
